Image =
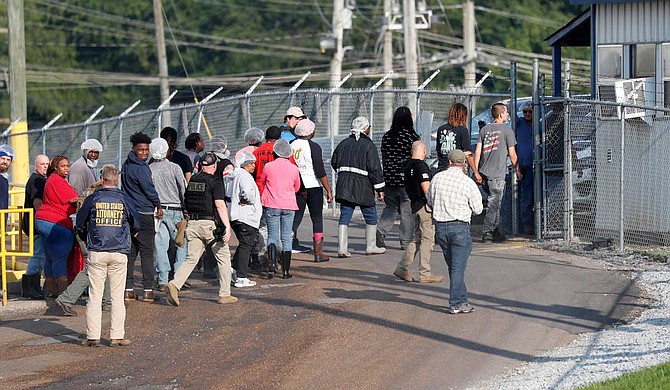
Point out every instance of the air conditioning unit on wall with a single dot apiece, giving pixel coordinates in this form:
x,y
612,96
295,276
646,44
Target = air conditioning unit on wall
x,y
638,92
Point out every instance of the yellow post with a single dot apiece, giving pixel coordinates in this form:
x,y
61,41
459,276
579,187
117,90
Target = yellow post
x,y
20,168
3,260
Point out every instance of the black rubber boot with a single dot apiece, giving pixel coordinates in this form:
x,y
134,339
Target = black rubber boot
x,y
286,264
272,259
26,286
34,286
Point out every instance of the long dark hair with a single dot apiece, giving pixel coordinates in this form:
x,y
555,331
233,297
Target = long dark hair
x,y
54,163
402,119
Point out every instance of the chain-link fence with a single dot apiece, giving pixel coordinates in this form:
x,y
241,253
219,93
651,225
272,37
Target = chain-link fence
x,y
615,167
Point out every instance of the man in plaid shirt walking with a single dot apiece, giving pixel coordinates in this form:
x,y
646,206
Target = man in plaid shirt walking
x,y
454,197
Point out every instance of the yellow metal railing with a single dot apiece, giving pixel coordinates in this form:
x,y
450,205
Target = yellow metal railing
x,y
11,228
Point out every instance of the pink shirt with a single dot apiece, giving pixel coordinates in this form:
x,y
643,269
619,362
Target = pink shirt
x,y
281,180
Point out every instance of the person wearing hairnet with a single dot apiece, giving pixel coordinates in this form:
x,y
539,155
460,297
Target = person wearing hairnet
x,y
245,210
82,173
254,138
170,184
6,157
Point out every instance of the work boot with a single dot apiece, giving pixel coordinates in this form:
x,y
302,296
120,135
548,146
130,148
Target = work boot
x,y
379,238
319,256
343,241
371,241
50,289
272,259
431,279
62,283
404,275
286,264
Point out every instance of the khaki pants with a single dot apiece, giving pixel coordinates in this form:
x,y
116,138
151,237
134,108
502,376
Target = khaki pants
x,y
424,238
198,235
102,266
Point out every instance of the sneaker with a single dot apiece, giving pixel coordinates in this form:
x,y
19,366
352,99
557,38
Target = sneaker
x,y
297,248
244,282
228,299
487,237
68,311
172,294
463,308
404,275
129,295
119,343
431,279
148,296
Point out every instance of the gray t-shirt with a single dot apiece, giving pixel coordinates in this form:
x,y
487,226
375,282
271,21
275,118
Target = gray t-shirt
x,y
496,138
169,182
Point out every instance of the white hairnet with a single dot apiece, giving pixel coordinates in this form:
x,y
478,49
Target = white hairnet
x,y
282,148
220,146
91,144
304,128
243,158
158,148
359,125
253,136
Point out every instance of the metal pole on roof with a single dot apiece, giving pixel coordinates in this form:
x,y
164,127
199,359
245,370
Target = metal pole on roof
x,y
335,103
123,115
247,97
90,119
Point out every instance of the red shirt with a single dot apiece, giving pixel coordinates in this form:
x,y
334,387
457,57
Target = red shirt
x,y
263,156
55,207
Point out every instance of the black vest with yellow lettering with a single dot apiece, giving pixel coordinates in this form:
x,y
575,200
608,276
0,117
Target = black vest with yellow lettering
x,y
198,200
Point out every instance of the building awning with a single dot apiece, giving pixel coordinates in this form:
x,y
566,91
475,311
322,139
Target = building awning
x,y
576,33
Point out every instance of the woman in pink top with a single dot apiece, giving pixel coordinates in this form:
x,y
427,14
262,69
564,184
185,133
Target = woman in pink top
x,y
281,180
53,223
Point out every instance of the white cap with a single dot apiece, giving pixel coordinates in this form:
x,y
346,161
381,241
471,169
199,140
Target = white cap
x,y
304,128
158,148
91,144
294,111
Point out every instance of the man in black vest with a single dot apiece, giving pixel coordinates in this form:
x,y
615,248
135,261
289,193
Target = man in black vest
x,y
208,225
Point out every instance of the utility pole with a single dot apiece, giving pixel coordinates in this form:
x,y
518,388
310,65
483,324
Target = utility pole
x,y
17,92
469,45
336,62
388,64
162,61
411,69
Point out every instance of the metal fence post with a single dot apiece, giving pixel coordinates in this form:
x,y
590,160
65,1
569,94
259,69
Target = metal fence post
x,y
621,177
542,162
417,121
200,104
123,115
247,97
159,110
331,131
295,88
514,193
90,119
567,166
44,132
537,172
372,92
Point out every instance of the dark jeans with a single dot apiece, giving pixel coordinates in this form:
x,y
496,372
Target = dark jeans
x,y
314,202
347,210
526,200
144,244
456,243
247,236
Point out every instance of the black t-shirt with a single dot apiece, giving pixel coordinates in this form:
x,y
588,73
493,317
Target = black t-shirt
x,y
34,189
416,172
448,139
218,190
183,161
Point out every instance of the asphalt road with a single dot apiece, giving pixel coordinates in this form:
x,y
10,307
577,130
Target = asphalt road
x,y
343,324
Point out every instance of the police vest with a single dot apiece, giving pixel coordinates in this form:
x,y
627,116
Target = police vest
x,y
198,200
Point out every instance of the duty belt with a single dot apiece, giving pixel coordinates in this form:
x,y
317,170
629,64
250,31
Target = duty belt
x,y
200,217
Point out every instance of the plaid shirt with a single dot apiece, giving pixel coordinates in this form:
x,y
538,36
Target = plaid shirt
x,y
454,196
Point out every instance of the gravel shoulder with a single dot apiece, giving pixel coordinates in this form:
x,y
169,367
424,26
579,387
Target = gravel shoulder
x,y
607,354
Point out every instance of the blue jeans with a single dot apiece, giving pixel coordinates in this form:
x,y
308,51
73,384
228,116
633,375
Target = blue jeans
x,y
279,223
495,189
397,202
526,200
36,263
58,241
454,239
167,230
347,210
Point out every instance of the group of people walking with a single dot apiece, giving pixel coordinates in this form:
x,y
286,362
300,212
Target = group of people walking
x,y
173,207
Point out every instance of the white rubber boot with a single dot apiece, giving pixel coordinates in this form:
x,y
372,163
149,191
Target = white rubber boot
x,y
343,241
371,241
